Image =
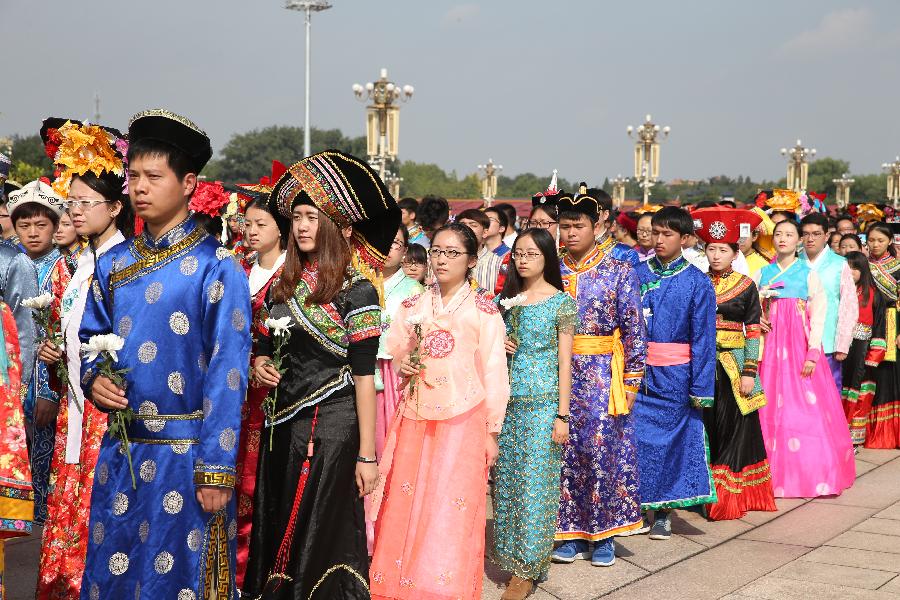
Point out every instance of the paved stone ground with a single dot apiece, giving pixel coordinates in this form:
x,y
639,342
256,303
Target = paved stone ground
x,y
842,548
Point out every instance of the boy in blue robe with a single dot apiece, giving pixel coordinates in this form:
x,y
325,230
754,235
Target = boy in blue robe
x,y
679,306
182,305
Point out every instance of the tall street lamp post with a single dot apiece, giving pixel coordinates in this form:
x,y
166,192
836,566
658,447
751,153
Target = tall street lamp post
x,y
842,189
488,178
798,165
646,153
382,118
618,195
308,7
893,180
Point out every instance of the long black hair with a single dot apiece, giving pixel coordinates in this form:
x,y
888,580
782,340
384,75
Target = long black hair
x,y
547,245
859,262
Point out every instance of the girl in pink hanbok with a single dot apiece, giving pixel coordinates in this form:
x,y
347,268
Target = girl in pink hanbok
x,y
803,424
448,346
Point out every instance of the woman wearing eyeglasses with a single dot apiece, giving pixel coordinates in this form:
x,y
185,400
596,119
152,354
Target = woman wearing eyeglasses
x,y
526,480
447,344
97,207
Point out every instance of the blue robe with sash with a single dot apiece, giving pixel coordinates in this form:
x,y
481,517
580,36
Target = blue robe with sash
x,y
182,303
679,305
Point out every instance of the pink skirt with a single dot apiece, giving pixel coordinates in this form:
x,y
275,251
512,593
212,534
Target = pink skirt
x,y
386,402
803,424
429,535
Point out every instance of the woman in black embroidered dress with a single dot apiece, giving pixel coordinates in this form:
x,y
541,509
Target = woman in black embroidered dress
x,y
308,537
738,458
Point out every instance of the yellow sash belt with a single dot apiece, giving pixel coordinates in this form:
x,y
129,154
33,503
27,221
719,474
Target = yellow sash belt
x,y
608,344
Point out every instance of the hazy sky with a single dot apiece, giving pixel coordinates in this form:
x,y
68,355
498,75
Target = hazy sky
x,y
536,86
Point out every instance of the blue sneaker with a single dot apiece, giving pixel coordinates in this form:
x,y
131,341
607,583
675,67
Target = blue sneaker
x,y
604,553
662,527
570,551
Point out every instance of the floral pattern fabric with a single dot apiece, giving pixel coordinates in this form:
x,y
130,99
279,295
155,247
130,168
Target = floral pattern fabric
x,y
599,478
526,476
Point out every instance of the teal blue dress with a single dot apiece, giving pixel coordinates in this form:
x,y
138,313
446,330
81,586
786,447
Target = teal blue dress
x,y
526,476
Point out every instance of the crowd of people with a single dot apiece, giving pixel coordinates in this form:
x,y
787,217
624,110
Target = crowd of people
x,y
300,387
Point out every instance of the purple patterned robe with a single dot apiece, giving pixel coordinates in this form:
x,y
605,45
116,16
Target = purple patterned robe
x,y
599,483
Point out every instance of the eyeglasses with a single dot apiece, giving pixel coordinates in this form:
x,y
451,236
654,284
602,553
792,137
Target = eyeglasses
x,y
645,231
812,234
451,254
540,224
521,256
397,245
84,204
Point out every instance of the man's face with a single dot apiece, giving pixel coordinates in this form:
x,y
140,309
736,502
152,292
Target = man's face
x,y
494,229
408,217
846,226
157,194
36,235
578,235
476,228
667,243
814,239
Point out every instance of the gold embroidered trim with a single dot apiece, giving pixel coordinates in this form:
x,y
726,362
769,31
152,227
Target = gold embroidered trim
x,y
196,415
331,570
152,258
330,386
189,441
321,580
219,479
162,112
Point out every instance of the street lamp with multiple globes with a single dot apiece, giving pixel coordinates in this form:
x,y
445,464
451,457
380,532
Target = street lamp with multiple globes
x,y
798,165
382,118
309,7
618,195
393,181
646,153
488,178
893,181
842,189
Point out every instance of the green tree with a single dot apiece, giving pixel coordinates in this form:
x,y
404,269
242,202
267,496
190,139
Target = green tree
x,y
822,172
869,188
29,161
22,172
248,156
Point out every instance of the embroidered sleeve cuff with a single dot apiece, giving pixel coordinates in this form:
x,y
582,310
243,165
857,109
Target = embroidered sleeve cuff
x,y
749,371
701,401
214,479
813,354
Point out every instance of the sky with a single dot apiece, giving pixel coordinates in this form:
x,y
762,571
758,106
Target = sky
x,y
535,86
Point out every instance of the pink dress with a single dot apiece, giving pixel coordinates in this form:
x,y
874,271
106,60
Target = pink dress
x,y
803,424
429,534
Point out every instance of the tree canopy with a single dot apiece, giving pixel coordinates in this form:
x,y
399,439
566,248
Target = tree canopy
x,y
248,156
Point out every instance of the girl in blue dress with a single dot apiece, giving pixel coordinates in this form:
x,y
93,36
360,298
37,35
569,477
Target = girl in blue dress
x,y
540,322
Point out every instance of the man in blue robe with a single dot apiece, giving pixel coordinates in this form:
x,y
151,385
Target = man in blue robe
x,y
182,305
679,306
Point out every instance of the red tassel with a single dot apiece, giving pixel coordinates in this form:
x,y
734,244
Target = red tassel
x,y
284,550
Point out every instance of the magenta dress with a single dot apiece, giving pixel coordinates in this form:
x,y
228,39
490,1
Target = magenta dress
x,y
803,424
